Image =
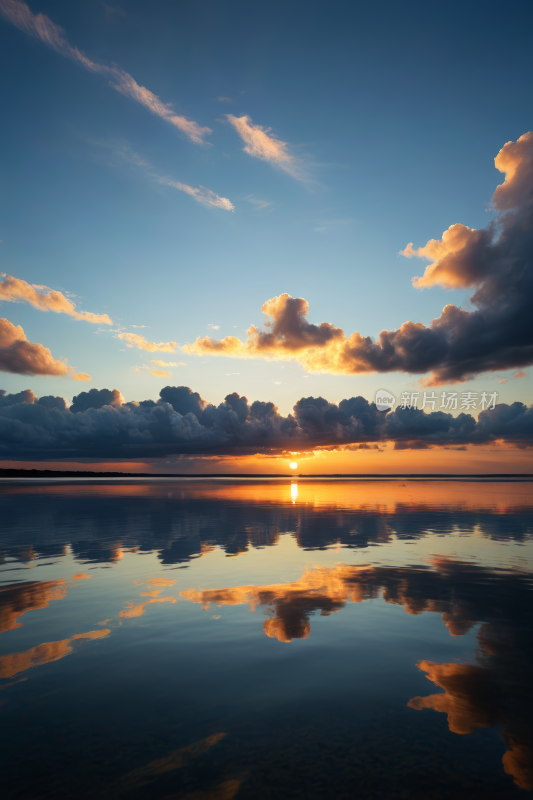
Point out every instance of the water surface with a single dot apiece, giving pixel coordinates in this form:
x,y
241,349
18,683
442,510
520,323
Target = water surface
x,y
210,640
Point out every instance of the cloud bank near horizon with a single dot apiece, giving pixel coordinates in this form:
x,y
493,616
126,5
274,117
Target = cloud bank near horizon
x,y
20,357
40,27
100,424
496,261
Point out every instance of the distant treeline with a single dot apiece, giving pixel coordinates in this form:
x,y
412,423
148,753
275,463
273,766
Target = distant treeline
x,y
50,473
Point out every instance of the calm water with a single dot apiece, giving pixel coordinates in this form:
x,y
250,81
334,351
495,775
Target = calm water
x,y
212,640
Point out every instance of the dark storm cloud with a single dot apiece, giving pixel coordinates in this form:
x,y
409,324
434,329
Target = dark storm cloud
x,y
100,425
95,398
497,335
27,397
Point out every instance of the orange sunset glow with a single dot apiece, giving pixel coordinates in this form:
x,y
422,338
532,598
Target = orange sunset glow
x,y
266,407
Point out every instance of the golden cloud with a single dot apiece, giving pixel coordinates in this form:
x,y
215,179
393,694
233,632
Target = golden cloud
x,y
16,290
20,357
29,597
16,663
135,340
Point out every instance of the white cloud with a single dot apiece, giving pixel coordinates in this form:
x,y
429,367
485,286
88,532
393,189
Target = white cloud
x,y
202,195
259,204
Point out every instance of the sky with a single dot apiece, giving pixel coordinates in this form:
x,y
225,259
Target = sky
x,y
173,172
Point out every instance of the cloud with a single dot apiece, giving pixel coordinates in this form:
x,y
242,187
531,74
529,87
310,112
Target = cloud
x,y
111,10
521,374
371,517
135,340
494,690
133,610
159,374
81,376
202,195
179,758
259,144
326,224
139,326
259,204
17,600
457,345
288,334
28,398
156,582
166,363
475,697
20,357
467,710
100,424
96,398
224,100
41,27
15,663
515,160
16,290
213,327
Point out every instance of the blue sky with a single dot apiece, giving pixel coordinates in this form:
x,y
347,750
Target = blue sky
x,y
394,114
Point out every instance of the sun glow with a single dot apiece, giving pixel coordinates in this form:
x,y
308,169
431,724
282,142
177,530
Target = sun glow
x,y
293,465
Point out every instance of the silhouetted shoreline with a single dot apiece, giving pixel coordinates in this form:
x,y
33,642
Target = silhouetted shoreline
x,y
47,473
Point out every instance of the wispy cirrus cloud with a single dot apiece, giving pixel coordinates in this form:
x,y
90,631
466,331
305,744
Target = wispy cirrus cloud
x,y
326,224
257,202
263,144
16,290
18,356
202,195
136,340
41,27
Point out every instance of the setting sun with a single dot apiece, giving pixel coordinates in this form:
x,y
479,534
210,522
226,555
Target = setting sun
x,y
293,465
